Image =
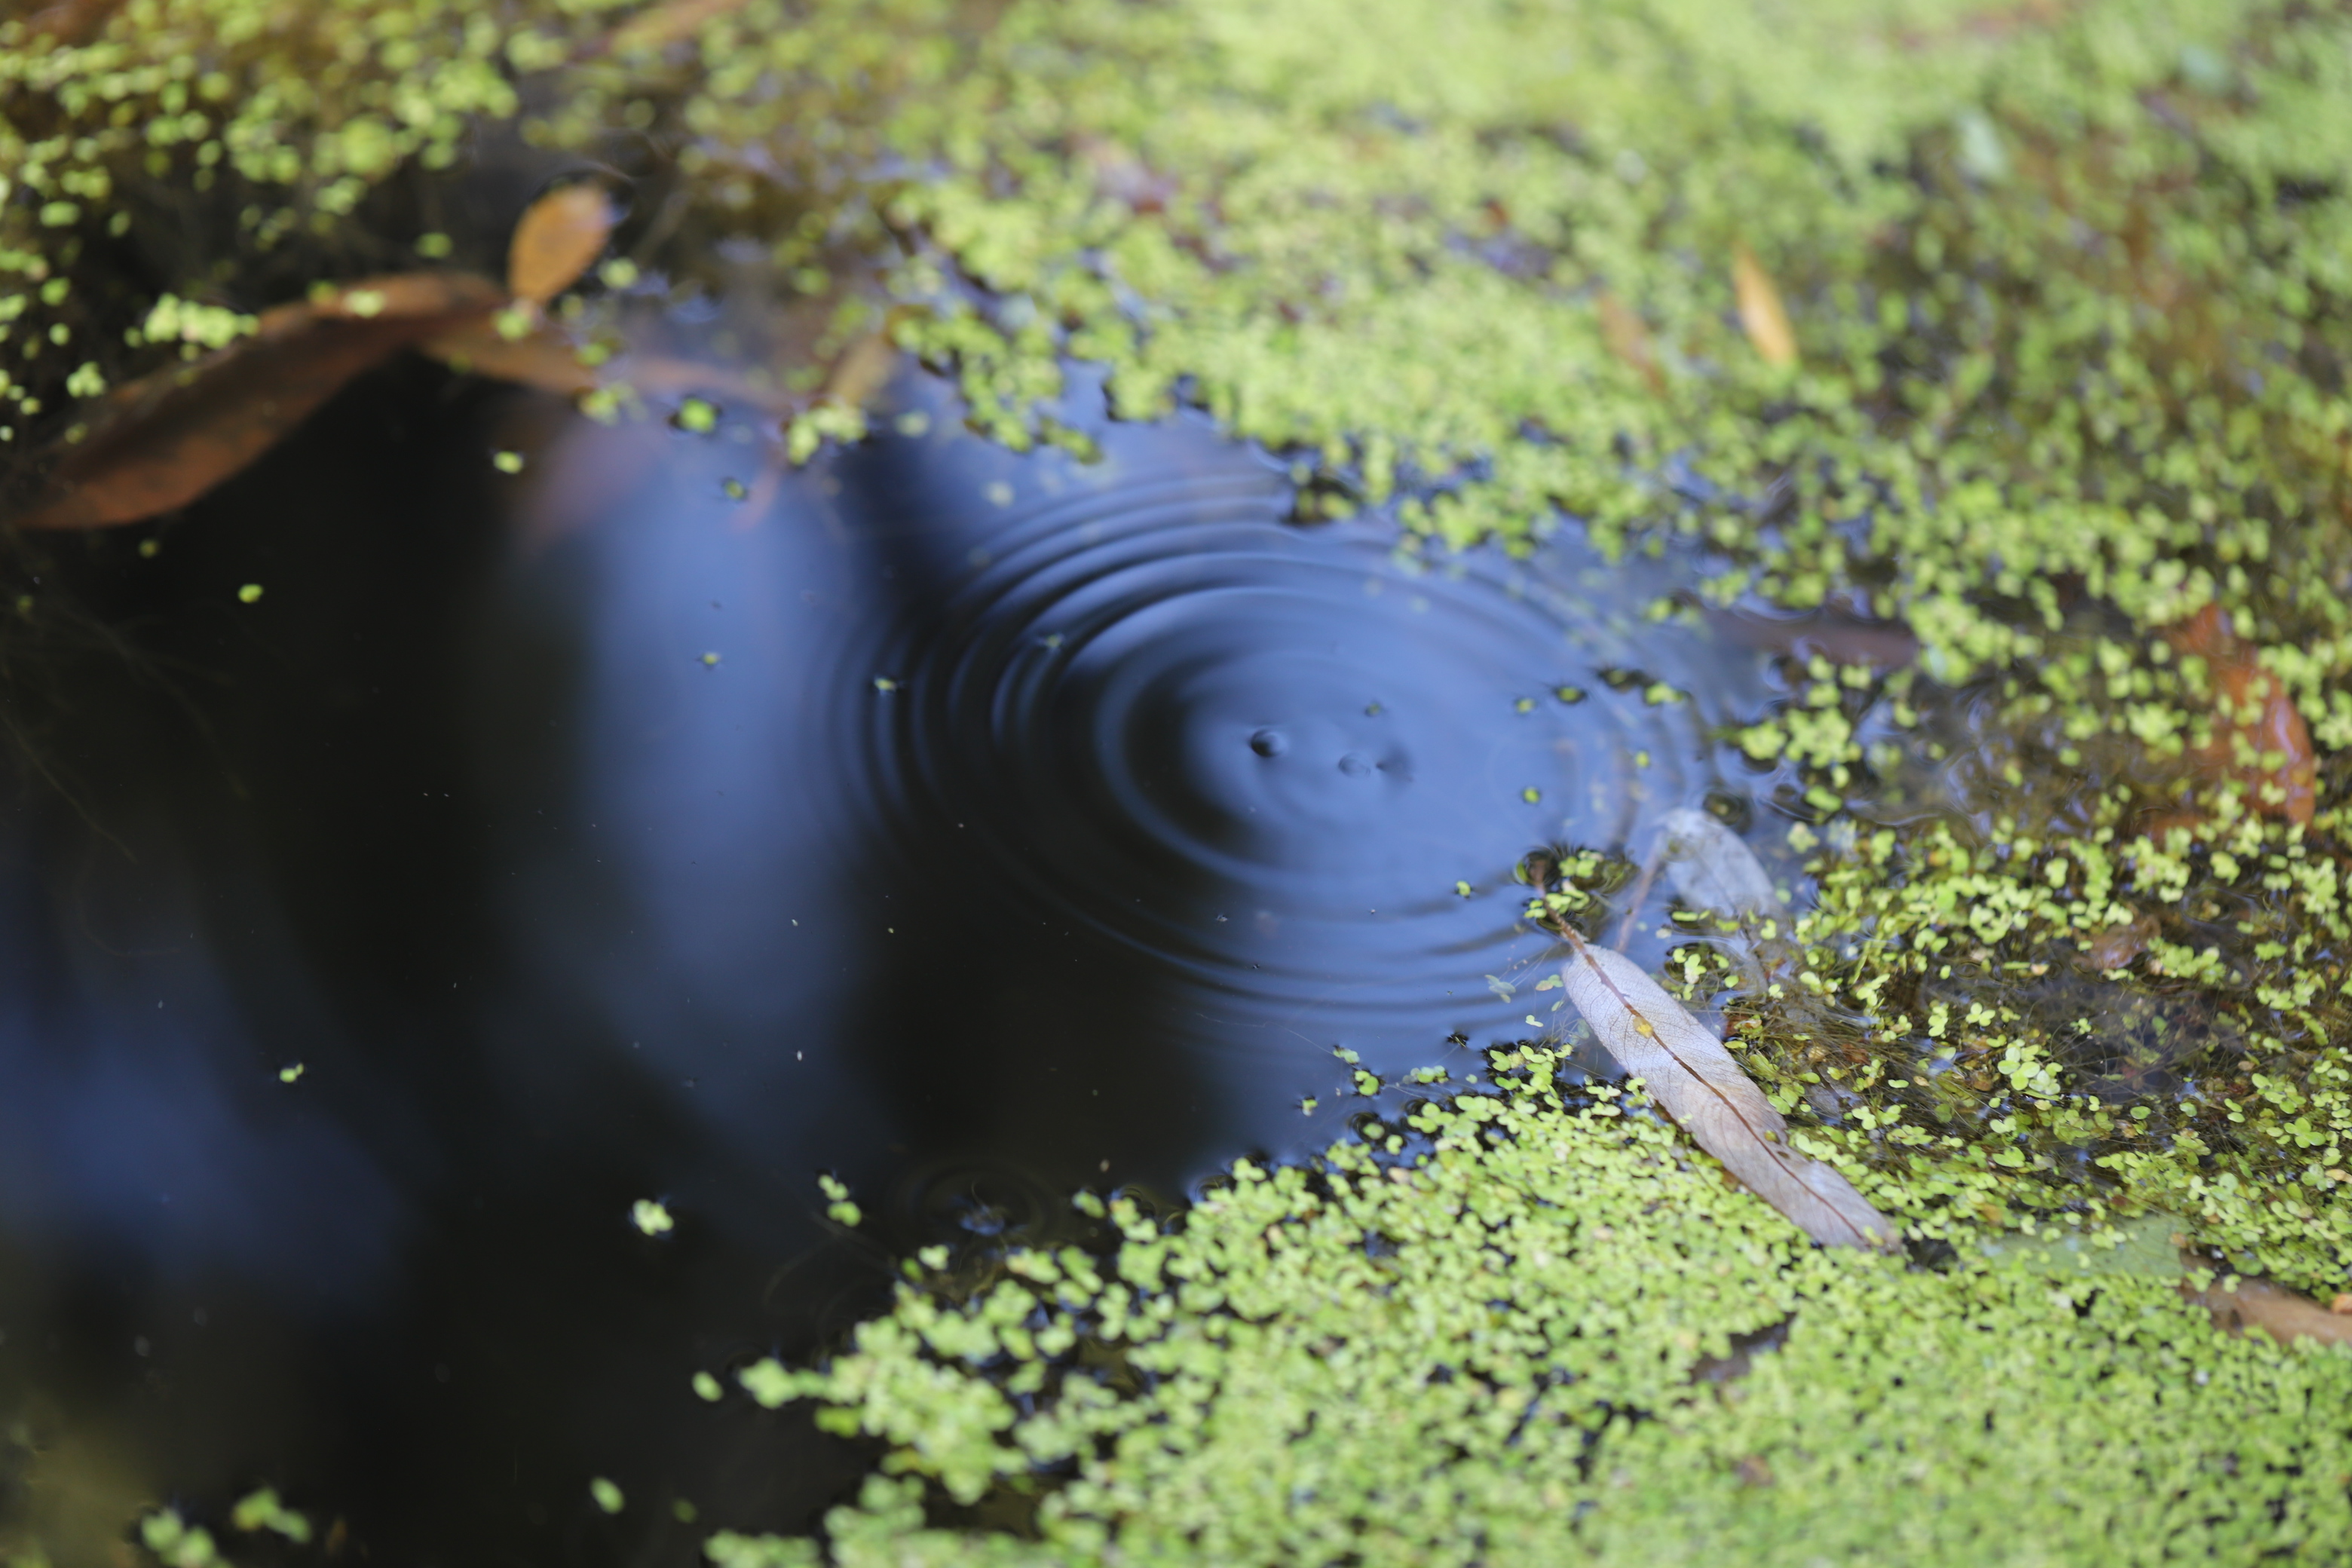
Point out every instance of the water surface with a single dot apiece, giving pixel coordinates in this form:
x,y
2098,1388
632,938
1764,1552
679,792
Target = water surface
x,y
973,825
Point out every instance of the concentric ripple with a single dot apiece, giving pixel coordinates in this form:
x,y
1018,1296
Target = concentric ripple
x,y
1292,767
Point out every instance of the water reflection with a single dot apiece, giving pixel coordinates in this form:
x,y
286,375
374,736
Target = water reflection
x,y
973,825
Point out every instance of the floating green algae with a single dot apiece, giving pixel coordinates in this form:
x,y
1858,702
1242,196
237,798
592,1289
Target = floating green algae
x,y
1551,1334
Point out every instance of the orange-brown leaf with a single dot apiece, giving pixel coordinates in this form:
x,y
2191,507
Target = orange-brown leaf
x,y
2279,1313
2241,684
165,439
560,236
1761,314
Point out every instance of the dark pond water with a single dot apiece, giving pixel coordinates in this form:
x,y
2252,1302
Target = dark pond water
x,y
973,826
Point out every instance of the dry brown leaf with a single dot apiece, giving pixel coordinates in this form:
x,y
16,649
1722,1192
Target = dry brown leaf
x,y
1628,339
165,439
1841,638
1761,314
2117,945
560,236
862,370
1694,1081
542,357
664,25
71,22
2277,1311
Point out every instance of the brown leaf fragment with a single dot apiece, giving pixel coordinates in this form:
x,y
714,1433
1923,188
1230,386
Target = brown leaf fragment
x,y
1837,637
2285,1315
2118,945
1761,314
559,236
1627,338
863,369
2241,686
1694,1081
71,22
408,296
661,26
542,357
163,440
1124,177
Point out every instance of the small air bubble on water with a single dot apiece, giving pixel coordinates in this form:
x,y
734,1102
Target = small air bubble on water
x,y
1269,743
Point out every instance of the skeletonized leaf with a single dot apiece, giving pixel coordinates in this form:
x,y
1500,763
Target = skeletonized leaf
x,y
559,236
1713,869
1694,1081
164,439
1761,314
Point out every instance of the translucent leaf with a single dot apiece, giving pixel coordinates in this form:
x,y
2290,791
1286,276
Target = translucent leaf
x,y
1713,869
1694,1081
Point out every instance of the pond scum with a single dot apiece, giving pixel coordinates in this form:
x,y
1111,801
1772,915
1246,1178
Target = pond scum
x,y
2022,326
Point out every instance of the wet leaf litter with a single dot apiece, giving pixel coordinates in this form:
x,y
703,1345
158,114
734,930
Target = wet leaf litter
x,y
164,440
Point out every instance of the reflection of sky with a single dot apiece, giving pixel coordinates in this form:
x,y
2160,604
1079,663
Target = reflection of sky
x,y
1053,899
138,1114
1082,656
704,922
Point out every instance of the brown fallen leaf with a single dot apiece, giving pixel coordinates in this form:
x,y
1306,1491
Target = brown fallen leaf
x,y
163,440
2284,1315
559,236
1761,314
1837,637
862,370
1122,176
661,26
71,22
1694,1081
2118,945
542,357
1627,338
2291,789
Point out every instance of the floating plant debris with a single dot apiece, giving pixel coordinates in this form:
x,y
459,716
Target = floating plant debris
x,y
163,441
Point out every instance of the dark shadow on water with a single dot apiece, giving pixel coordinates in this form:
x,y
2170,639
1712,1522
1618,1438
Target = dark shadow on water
x,y
973,827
